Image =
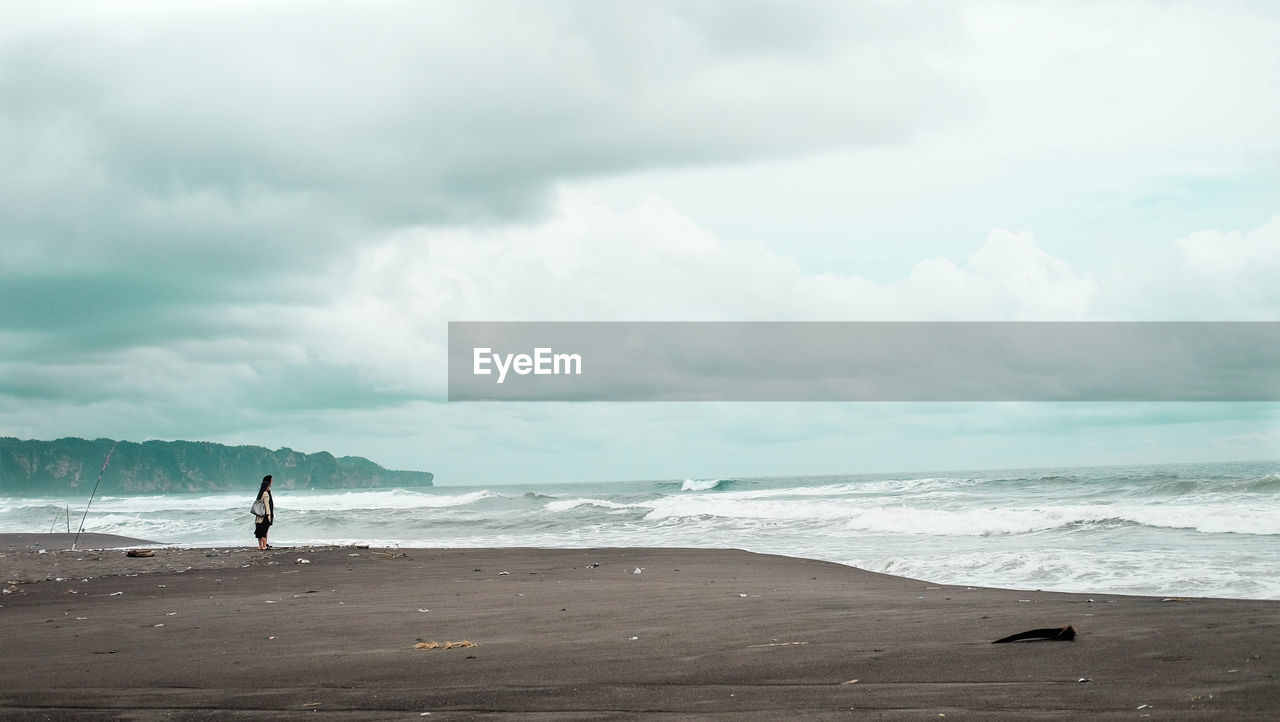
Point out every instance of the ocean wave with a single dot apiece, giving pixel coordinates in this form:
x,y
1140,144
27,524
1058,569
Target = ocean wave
x,y
862,488
34,506
570,504
393,499
168,502
705,484
852,514
969,522
17,503
894,486
730,508
1211,488
1218,520
1125,572
1269,484
986,520
1005,521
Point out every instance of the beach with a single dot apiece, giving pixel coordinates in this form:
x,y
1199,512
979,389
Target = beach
x,y
353,632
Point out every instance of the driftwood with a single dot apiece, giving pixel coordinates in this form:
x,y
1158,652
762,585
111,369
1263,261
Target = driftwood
x,y
446,645
1051,634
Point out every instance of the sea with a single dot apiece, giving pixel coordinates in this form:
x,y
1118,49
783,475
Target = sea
x,y
1170,530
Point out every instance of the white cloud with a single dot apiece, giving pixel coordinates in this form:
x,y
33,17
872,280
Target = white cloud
x,y
1227,252
1031,283
590,261
1207,275
347,118
651,262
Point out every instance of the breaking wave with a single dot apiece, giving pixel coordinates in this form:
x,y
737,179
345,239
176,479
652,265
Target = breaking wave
x,y
1176,530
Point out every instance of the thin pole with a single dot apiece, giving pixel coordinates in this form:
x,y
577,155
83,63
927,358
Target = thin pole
x,y
57,514
91,495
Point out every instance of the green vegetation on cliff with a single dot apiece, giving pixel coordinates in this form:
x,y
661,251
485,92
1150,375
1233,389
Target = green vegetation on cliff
x,y
71,465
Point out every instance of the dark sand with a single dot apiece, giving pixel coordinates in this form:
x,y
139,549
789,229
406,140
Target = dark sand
x,y
724,634
56,542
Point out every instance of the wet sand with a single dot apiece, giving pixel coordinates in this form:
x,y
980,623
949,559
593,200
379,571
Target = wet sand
x,y
578,634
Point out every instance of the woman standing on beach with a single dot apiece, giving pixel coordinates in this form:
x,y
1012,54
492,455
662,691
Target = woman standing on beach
x,y
263,523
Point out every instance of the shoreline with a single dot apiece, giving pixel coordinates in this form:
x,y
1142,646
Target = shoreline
x,y
180,557
714,633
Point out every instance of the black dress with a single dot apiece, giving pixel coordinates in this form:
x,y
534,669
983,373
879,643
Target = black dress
x,y
260,527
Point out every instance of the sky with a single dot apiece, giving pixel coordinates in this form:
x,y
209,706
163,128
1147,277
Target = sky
x,y
251,222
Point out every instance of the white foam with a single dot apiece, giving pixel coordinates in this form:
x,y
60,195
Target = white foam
x,y
1076,570
1210,520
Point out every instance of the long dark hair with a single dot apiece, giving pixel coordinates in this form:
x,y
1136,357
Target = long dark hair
x,y
266,481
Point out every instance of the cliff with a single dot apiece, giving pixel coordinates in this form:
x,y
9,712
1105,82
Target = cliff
x,y
71,465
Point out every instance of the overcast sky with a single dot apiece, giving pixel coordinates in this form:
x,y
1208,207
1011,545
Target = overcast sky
x,y
251,222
